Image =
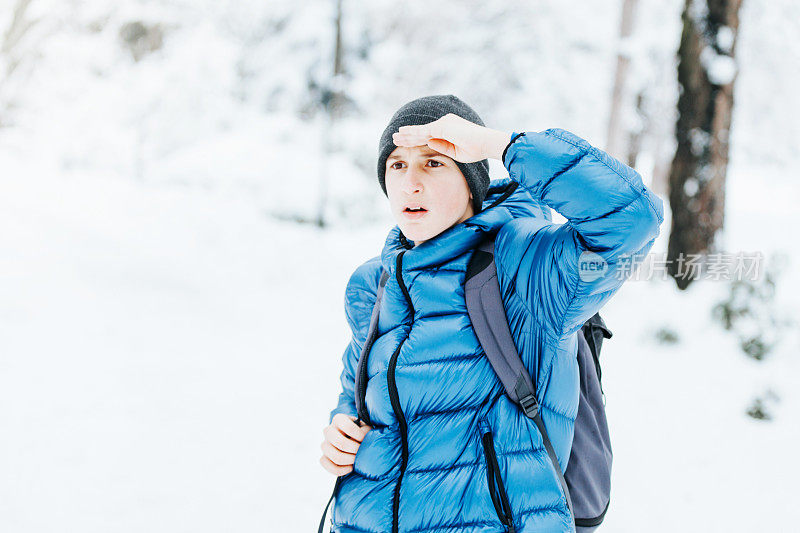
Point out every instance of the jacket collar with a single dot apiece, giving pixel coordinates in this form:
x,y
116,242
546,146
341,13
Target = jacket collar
x,y
505,200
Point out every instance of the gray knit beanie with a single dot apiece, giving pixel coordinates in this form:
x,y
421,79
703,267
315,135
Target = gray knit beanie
x,y
422,111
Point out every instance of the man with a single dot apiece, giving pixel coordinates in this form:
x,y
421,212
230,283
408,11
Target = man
x,y
431,395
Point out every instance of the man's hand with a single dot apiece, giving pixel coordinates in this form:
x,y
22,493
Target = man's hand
x,y
342,439
455,137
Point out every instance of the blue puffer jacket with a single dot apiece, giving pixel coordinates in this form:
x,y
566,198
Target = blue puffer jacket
x,y
432,393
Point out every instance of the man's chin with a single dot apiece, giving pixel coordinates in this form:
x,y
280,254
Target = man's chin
x,y
414,232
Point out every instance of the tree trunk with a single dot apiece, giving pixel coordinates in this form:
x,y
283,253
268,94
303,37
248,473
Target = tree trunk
x,y
333,108
615,136
636,135
661,165
706,74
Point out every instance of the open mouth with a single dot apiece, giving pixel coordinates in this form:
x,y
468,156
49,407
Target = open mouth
x,y
414,211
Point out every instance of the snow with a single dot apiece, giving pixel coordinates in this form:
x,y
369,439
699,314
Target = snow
x,y
725,38
700,141
690,187
720,68
170,342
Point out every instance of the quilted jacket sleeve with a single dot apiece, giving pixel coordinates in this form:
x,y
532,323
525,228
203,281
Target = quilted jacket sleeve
x,y
359,298
566,272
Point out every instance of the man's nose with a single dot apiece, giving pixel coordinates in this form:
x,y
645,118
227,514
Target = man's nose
x,y
412,181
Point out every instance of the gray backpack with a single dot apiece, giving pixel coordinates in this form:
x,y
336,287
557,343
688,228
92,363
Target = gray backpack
x,y
587,480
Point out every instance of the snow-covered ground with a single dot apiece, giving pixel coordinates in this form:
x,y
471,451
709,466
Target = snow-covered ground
x,y
170,356
157,348
170,351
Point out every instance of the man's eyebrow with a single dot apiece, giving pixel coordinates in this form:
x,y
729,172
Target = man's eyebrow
x,y
426,153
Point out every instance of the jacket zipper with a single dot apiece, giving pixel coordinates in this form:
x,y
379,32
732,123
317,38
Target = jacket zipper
x,y
501,504
395,399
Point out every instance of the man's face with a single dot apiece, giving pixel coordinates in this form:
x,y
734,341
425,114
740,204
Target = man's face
x,y
417,176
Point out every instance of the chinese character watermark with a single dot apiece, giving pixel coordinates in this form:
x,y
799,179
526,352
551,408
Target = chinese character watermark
x,y
718,266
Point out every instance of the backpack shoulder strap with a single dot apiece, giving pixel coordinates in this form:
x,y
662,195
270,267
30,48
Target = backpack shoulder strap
x,y
489,320
361,372
360,383
488,317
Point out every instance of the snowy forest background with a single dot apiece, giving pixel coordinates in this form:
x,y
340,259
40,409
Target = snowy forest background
x,y
180,211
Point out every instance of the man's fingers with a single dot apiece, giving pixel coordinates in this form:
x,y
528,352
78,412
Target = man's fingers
x,y
337,456
417,130
338,439
415,135
443,147
349,427
447,129
402,139
436,129
333,468
433,129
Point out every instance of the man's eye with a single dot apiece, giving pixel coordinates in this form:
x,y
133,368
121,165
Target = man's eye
x,y
436,164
